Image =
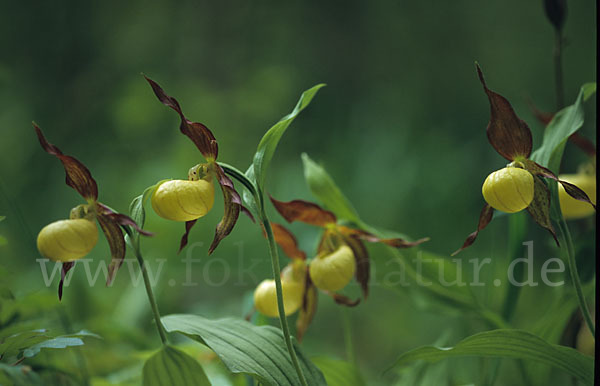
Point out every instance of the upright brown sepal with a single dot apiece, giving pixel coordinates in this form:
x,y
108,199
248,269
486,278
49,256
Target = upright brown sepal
x,y
66,267
287,242
507,133
556,11
304,211
232,205
202,137
116,242
78,176
308,309
485,217
363,264
539,209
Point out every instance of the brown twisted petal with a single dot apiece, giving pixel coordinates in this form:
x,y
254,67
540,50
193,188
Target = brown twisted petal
x,y
77,175
304,211
485,217
286,240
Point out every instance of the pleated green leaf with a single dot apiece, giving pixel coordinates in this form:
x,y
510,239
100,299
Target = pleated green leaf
x,y
258,351
171,367
508,343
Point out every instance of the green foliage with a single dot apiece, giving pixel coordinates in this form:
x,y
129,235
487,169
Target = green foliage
x,y
338,372
516,344
171,367
18,376
268,143
245,348
566,122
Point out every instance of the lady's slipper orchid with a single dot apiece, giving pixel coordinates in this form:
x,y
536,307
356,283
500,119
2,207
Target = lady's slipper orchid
x,y
511,138
69,240
181,200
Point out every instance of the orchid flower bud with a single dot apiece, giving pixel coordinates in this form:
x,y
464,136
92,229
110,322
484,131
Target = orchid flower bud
x,y
265,297
67,240
509,189
333,271
570,207
181,200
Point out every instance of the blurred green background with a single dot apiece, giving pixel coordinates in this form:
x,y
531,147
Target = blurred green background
x,y
400,127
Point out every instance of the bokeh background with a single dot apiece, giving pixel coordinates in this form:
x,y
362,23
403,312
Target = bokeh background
x,y
400,127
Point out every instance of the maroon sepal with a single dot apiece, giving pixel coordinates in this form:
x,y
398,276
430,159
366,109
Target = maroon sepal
x,y
507,133
392,242
363,264
232,203
63,273
202,137
539,209
116,242
485,217
78,176
121,219
572,190
304,211
343,300
184,238
308,309
286,240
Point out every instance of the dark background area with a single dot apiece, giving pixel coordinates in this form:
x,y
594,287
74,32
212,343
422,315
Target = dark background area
x,y
400,127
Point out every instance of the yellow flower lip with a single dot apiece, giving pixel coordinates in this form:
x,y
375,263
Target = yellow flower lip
x,y
183,200
509,189
574,209
67,240
265,297
334,271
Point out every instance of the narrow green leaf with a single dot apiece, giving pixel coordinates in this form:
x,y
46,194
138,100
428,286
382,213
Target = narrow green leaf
x,y
245,348
268,144
171,367
137,212
325,190
516,344
338,372
566,122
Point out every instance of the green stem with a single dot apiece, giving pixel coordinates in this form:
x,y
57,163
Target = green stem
x,y
348,336
585,311
151,299
516,236
260,209
277,276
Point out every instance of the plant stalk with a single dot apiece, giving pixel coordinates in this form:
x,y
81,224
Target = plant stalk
x,y
585,311
150,293
277,276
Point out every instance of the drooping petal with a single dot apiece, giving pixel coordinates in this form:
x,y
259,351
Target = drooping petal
x,y
363,264
78,176
232,203
287,242
66,267
304,211
485,217
116,242
202,137
539,209
308,309
184,239
507,133
572,190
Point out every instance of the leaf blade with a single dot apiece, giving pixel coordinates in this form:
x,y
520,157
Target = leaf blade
x,y
170,366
